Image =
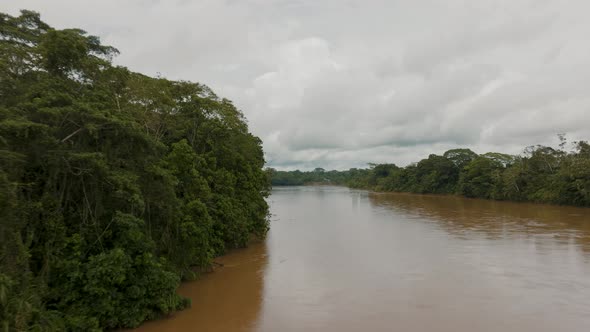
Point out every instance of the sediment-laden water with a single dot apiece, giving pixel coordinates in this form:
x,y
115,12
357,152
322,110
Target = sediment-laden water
x,y
338,259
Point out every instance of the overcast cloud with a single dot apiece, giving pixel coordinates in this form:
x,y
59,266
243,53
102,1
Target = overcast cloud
x,y
337,84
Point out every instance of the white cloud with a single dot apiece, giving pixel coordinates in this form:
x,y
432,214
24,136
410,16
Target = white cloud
x,y
337,84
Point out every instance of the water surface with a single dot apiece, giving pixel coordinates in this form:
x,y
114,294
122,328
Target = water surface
x,y
338,259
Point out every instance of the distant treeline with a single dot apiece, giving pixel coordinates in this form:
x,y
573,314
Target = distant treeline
x,y
114,186
541,174
317,176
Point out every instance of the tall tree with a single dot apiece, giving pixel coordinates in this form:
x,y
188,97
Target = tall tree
x,y
114,186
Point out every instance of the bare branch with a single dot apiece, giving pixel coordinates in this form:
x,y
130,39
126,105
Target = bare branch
x,y
72,134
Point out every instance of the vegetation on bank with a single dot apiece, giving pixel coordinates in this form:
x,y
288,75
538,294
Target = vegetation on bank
x,y
541,174
114,186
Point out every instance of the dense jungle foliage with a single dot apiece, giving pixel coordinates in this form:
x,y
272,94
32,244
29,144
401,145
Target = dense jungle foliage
x,y
114,186
541,174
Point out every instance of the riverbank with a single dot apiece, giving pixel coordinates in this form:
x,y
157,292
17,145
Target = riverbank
x,y
541,174
374,191
221,290
352,260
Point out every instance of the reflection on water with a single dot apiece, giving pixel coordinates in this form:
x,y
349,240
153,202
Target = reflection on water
x,y
544,224
347,260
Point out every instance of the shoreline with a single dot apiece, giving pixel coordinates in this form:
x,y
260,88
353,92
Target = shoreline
x,y
433,195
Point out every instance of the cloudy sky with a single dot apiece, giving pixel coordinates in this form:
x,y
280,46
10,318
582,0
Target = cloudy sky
x,y
337,84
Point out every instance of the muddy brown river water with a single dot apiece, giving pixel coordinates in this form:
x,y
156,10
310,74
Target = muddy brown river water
x,y
338,259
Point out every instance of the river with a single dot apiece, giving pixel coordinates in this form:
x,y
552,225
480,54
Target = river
x,y
338,259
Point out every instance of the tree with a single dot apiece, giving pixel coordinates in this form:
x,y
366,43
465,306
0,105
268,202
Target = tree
x,y
460,157
437,174
114,186
479,177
